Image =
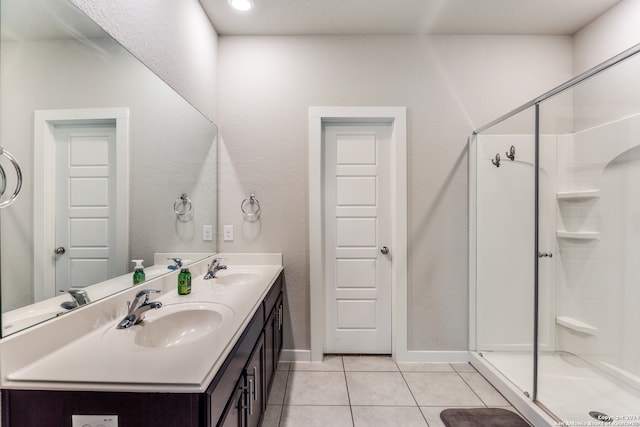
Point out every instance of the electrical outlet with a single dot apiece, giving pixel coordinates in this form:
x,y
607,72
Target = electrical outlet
x,y
228,233
207,233
94,421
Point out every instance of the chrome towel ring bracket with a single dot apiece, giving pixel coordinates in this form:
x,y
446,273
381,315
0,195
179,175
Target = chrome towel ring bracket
x,y
250,208
182,206
3,185
4,179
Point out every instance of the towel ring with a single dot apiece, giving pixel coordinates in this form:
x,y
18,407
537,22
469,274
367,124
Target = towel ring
x,y
254,206
185,202
3,185
4,179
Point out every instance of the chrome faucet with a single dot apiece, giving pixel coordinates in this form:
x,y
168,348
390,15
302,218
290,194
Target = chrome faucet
x,y
79,296
214,268
177,263
138,307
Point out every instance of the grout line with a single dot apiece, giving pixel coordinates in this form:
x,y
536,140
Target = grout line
x,y
346,384
472,389
414,397
281,411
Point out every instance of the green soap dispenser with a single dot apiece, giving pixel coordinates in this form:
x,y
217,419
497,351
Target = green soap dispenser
x,y
184,279
138,272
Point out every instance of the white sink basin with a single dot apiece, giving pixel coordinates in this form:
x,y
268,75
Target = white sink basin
x,y
237,278
174,325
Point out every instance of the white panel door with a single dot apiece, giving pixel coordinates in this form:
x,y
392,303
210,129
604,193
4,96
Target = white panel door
x,y
85,200
357,227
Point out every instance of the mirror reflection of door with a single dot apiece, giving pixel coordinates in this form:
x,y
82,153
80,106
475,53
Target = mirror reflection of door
x,y
84,204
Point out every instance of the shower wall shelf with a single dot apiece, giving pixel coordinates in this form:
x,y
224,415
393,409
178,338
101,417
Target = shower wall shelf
x,y
576,325
583,235
578,195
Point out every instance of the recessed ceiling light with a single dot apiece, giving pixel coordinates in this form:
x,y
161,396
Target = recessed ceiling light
x,y
241,5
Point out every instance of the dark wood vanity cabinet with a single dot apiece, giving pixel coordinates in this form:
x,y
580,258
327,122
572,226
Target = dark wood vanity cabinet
x,y
237,396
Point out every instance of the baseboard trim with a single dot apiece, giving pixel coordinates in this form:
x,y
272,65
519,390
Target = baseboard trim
x,y
289,355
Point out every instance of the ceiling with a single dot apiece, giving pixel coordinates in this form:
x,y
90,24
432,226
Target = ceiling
x,y
287,17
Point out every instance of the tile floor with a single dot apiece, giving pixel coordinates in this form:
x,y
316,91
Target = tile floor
x,y
372,391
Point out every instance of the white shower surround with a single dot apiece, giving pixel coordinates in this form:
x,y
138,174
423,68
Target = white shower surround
x,y
588,290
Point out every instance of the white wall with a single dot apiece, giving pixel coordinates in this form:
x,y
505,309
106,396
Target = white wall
x,y
450,84
608,35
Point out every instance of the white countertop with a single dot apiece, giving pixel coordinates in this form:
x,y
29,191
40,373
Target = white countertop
x,y
108,359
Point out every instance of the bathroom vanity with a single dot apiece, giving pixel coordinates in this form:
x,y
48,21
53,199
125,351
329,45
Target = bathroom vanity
x,y
163,372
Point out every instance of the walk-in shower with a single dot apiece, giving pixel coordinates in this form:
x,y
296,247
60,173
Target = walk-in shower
x,y
555,249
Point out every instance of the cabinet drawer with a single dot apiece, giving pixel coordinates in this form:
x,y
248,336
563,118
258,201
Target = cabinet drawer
x,y
223,385
272,296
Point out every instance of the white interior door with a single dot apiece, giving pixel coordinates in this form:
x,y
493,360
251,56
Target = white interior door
x,y
85,204
357,231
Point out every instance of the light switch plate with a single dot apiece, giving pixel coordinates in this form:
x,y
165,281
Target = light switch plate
x,y
207,233
228,233
94,421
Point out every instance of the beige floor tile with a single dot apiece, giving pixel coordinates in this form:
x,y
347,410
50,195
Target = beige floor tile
x,y
369,363
330,363
425,367
485,391
387,416
272,416
441,389
378,388
316,388
312,416
463,367
278,388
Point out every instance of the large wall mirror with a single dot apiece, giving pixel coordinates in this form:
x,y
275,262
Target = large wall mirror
x,y
106,150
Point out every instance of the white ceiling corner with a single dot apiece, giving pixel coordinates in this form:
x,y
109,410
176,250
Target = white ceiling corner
x,y
328,17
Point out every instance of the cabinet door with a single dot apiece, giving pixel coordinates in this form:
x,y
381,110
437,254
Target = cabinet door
x,y
255,385
279,308
235,415
270,329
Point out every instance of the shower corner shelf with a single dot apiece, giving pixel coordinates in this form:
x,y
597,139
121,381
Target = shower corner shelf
x,y
578,195
576,325
582,235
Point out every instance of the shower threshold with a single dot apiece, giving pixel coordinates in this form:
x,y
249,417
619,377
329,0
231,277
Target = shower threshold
x,y
570,388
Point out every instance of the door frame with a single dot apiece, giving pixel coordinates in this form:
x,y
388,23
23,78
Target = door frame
x,y
45,122
397,118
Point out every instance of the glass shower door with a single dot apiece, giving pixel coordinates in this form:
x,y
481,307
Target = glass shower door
x,y
505,177
588,363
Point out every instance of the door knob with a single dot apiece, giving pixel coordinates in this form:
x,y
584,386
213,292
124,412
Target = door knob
x,y
59,251
384,250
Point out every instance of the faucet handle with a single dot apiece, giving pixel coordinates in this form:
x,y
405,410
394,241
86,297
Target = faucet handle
x,y
216,261
177,261
145,293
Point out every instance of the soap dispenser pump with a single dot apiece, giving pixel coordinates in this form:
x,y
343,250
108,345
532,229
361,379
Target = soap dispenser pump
x,y
138,272
184,279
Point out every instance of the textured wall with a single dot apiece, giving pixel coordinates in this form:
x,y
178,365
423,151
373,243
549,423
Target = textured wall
x,y
450,84
173,38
